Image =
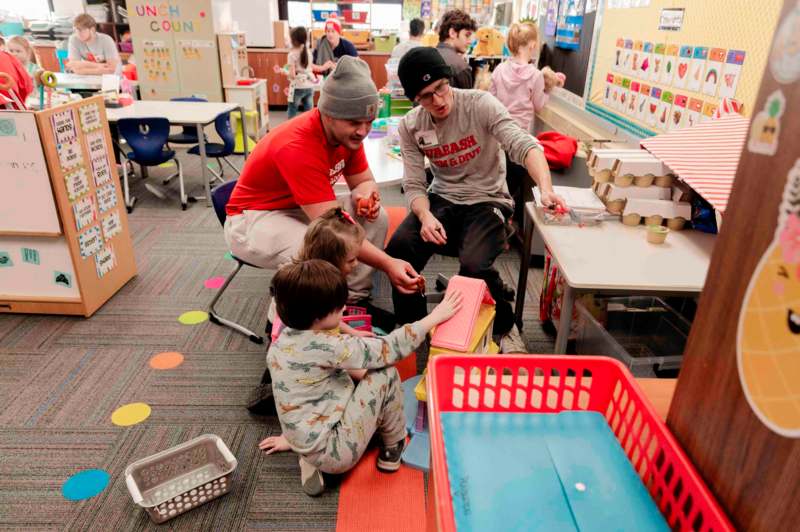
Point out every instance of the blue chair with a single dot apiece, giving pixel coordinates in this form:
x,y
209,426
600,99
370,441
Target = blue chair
x,y
189,133
62,56
147,140
219,199
218,151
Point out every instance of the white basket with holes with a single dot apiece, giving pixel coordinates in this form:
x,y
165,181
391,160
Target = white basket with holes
x,y
180,478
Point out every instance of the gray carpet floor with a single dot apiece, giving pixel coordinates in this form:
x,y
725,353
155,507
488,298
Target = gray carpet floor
x,y
62,377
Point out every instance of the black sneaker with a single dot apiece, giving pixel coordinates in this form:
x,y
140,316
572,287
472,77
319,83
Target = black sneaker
x,y
261,402
389,457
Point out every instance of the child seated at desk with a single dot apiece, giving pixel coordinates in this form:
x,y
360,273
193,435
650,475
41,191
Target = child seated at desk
x,y
326,418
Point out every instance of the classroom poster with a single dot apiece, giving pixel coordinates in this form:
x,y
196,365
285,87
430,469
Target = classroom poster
x,y
658,62
652,107
85,211
64,127
713,70
678,115
77,183
105,260
697,68
695,108
644,102
90,241
551,18
106,197
90,117
101,171
664,108
70,154
97,144
670,64
731,73
570,22
111,225
682,69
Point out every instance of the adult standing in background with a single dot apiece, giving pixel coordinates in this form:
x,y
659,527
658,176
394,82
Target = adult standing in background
x,y
91,52
455,34
331,47
415,30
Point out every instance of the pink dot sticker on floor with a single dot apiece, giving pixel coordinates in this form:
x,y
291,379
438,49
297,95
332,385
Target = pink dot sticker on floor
x,y
214,282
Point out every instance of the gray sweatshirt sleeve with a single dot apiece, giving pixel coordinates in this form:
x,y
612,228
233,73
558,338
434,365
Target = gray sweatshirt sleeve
x,y
514,140
414,182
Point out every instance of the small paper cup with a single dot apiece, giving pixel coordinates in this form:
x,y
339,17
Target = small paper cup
x,y
664,181
655,219
631,219
623,180
676,224
644,180
616,206
657,234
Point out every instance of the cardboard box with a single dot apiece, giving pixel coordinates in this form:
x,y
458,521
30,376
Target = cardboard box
x,y
280,28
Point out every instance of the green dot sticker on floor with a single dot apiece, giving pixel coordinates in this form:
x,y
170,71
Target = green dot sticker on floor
x,y
193,317
229,256
130,414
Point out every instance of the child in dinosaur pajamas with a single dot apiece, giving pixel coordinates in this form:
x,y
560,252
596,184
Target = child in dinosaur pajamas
x,y
326,418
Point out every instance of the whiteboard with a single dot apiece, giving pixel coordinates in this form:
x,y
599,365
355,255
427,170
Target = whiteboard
x,y
26,202
26,279
255,18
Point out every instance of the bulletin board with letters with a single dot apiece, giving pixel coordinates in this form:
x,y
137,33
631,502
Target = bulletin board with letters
x,y
648,80
82,172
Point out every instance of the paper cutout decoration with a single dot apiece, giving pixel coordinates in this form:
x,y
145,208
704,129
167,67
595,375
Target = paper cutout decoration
x,y
693,116
608,88
62,279
105,260
85,212
77,183
653,105
85,484
193,317
70,154
769,323
107,197
167,360
678,114
214,282
5,260
765,129
670,64
90,117
30,255
664,109
130,414
90,241
713,72
228,256
709,110
64,127
697,68
784,60
643,102
657,62
111,225
682,71
731,73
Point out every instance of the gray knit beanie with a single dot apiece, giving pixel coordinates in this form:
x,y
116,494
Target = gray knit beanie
x,y
349,93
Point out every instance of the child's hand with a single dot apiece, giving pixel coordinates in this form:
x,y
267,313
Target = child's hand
x,y
363,334
448,307
274,444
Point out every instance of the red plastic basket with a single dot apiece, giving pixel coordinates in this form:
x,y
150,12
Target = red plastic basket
x,y
548,383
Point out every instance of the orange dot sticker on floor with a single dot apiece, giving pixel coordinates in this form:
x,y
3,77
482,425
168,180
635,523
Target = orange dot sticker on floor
x,y
167,360
130,414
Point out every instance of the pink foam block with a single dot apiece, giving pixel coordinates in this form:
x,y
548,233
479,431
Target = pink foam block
x,y
456,332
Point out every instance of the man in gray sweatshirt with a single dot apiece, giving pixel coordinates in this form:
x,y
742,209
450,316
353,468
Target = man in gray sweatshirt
x,y
463,133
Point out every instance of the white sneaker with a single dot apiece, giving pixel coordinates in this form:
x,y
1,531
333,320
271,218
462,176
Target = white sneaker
x,y
512,342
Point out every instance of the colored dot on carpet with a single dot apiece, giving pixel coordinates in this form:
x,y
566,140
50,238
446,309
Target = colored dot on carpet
x,y
193,317
130,414
229,256
85,484
168,360
214,282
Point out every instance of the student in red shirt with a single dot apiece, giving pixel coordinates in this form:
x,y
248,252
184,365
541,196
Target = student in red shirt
x,y
288,181
12,73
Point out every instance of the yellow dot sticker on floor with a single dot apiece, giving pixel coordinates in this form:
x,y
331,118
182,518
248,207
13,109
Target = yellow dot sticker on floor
x,y
193,317
130,414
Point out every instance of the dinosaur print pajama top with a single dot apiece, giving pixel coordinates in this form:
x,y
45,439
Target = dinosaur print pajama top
x,y
326,417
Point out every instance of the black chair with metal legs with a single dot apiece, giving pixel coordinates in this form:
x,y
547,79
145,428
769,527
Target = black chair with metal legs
x,y
219,198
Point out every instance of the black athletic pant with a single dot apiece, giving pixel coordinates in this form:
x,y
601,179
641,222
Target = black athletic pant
x,y
519,186
476,234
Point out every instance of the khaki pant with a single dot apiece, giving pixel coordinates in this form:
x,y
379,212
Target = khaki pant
x,y
270,239
376,405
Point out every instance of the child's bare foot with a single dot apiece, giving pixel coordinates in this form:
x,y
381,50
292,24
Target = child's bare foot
x,y
274,444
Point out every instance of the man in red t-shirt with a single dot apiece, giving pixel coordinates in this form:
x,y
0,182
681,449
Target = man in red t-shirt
x,y
288,181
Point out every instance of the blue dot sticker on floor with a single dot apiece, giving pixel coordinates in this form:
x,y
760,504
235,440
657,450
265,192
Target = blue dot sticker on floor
x,y
85,484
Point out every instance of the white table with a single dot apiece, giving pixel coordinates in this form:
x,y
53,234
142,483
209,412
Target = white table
x,y
198,114
387,169
612,258
81,82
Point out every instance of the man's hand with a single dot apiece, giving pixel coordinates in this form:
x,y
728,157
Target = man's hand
x,y
552,200
402,276
274,444
368,206
432,230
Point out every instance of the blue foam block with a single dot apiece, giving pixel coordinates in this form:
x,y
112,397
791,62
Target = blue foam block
x,y
418,452
410,401
542,472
